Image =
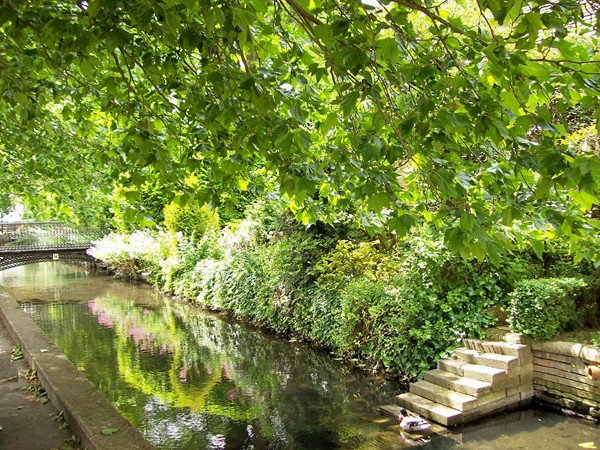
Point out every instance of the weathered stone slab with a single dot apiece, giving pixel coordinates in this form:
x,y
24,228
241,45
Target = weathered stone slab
x,y
490,398
568,359
527,396
589,353
446,397
452,365
497,360
430,410
484,373
392,411
468,386
566,382
465,354
505,362
499,347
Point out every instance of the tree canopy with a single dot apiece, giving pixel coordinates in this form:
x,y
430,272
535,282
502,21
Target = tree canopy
x,y
480,113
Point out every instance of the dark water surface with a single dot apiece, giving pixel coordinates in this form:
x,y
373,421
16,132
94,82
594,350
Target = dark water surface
x,y
189,379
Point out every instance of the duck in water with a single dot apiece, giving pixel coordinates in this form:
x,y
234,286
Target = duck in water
x,y
412,424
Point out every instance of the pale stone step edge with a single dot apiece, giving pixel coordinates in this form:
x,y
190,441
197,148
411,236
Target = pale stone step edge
x,y
495,360
430,410
464,385
498,347
464,369
446,397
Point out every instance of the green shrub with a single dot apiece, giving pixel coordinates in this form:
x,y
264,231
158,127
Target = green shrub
x,y
395,304
192,221
542,307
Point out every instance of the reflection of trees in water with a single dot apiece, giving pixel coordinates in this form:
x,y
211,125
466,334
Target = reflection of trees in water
x,y
196,376
293,379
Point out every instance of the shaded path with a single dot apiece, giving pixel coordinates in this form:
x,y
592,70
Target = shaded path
x,y
27,422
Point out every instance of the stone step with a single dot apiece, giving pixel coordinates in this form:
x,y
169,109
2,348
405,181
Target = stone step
x,y
446,397
468,386
464,369
430,410
498,347
495,360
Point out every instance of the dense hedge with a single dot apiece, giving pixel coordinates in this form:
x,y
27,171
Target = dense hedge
x,y
394,304
542,307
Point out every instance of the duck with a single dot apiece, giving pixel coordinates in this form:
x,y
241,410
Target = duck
x,y
412,424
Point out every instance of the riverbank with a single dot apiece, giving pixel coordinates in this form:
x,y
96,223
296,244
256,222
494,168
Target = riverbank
x,y
89,415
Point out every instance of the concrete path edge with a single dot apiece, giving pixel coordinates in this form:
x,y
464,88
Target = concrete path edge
x,y
87,412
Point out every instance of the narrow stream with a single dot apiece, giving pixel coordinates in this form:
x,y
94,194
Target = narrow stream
x,y
189,379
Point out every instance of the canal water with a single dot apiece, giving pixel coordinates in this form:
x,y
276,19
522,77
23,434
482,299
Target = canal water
x,y
189,379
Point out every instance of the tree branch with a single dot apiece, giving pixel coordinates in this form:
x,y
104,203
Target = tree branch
x,y
434,17
304,13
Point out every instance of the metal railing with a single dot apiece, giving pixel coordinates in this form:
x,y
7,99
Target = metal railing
x,y
32,236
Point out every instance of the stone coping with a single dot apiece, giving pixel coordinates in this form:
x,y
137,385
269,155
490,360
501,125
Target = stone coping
x,y
589,353
85,409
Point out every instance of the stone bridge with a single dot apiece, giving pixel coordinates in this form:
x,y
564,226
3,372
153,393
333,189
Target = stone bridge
x,y
30,242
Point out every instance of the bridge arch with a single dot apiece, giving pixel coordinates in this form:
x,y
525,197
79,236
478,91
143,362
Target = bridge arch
x,y
31,242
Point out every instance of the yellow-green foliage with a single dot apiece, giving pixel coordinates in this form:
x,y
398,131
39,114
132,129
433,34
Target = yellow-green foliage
x,y
584,139
351,260
191,220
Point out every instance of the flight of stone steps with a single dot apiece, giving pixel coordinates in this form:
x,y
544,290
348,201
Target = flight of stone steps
x,y
480,379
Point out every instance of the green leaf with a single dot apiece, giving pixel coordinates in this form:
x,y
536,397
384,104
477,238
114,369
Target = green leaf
x,y
535,70
499,8
379,201
538,248
443,180
109,431
349,103
330,121
510,101
402,224
584,199
297,113
93,8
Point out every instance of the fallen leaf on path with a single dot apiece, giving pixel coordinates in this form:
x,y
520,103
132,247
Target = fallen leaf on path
x,y
109,431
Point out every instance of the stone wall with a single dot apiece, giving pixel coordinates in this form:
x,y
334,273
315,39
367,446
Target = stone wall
x,y
562,376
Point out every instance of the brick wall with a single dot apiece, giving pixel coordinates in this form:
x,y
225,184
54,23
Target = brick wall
x,y
560,376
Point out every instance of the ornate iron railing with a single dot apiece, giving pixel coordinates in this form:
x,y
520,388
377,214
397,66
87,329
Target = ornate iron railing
x,y
31,236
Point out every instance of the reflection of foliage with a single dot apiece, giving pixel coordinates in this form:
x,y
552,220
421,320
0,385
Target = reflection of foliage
x,y
266,369
214,371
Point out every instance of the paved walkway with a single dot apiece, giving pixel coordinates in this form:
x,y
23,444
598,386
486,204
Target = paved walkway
x,y
28,421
